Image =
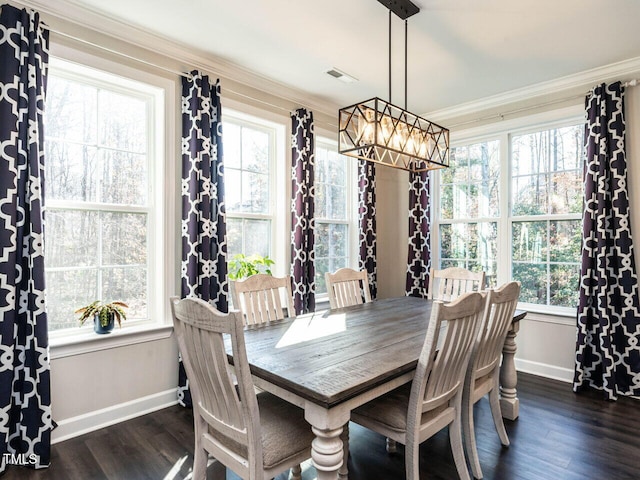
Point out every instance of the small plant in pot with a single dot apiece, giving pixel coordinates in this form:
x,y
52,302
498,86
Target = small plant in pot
x,y
104,315
243,266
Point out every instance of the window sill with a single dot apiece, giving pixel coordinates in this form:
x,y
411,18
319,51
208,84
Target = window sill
x,y
322,303
558,316
68,346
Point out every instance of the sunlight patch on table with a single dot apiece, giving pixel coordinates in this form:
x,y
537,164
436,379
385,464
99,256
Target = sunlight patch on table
x,y
311,327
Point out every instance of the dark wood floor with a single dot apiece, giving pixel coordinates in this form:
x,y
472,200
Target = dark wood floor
x,y
559,436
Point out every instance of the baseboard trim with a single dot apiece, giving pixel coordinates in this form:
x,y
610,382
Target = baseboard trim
x,y
89,422
544,370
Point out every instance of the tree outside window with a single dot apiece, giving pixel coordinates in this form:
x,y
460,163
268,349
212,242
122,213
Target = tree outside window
x,y
333,205
99,211
248,160
538,221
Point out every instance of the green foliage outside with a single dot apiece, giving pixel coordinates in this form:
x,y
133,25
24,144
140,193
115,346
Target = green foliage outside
x,y
545,182
243,266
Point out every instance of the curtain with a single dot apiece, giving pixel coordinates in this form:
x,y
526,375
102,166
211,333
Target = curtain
x,y
302,211
419,252
367,222
25,395
608,350
204,245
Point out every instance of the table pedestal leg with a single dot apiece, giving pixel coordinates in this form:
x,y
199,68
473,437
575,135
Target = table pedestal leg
x,y
509,403
326,453
343,473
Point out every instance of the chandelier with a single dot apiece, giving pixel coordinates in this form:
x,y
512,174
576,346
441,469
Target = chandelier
x,y
378,131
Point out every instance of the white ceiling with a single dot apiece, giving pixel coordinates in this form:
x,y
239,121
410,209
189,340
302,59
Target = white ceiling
x,y
459,50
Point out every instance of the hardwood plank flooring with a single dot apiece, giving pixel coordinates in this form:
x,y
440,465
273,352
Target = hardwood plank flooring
x,y
559,436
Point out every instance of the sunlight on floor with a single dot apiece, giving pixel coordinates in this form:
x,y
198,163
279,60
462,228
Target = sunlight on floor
x,y
175,470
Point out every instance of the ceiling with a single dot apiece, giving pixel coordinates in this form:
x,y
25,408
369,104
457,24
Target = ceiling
x,y
459,50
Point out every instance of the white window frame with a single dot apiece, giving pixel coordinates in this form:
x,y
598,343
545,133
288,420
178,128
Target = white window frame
x,y
502,132
279,158
351,208
77,64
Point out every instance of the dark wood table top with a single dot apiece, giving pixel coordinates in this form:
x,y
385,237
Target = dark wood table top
x,y
332,356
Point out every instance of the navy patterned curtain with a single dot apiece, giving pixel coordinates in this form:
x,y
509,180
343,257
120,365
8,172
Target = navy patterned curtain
x,y
302,211
367,222
608,351
419,254
204,245
25,395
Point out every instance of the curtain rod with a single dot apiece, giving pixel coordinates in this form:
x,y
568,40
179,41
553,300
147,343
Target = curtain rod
x,y
177,72
631,83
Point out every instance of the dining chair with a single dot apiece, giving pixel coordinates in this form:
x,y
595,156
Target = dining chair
x,y
256,436
483,376
347,287
418,410
452,282
261,299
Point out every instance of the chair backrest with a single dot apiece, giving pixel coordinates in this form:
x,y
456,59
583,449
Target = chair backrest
x,y
443,361
498,315
227,418
347,287
450,283
261,298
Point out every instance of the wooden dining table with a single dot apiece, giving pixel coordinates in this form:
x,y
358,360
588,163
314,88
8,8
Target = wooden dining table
x,y
330,362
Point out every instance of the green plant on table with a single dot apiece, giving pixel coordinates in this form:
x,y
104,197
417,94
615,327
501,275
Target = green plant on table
x,y
243,266
103,311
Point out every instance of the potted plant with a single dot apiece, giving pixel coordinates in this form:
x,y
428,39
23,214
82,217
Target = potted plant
x,y
104,315
243,266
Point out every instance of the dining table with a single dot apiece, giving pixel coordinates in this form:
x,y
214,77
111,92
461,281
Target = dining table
x,y
331,362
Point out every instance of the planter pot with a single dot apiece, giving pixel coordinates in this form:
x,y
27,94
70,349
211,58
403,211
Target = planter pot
x,y
103,329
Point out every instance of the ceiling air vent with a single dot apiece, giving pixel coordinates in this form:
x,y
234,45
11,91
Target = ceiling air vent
x,y
340,75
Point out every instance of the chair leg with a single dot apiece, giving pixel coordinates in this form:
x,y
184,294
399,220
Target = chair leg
x,y
296,472
455,438
343,473
200,457
392,445
412,459
494,402
470,436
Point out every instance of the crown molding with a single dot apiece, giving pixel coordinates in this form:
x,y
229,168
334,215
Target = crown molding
x,y
187,56
585,79
190,58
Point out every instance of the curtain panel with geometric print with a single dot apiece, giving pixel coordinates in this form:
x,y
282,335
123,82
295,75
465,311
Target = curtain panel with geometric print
x,y
302,211
25,392
367,234
204,244
608,346
419,252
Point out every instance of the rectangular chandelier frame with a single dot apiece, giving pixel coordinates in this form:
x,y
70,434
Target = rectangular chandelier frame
x,y
378,131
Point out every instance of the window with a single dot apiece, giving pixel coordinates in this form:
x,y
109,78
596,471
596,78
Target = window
x,y
532,211
470,209
546,204
101,212
333,212
249,157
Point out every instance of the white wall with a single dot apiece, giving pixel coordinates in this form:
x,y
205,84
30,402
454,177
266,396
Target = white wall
x,y
97,389
392,212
